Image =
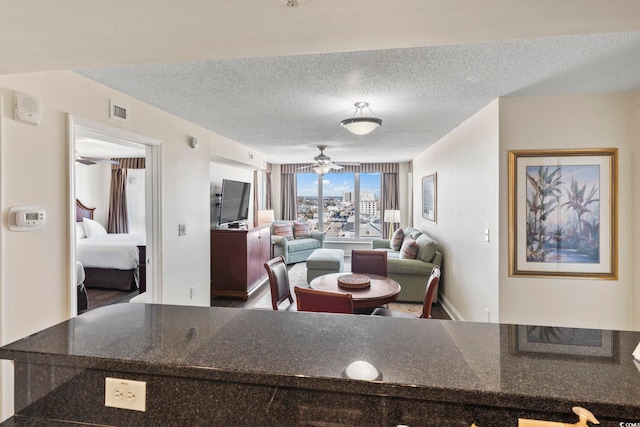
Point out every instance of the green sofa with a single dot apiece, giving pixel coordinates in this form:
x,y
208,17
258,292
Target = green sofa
x,y
412,274
296,250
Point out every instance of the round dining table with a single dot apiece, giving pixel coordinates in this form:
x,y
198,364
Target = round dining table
x,y
382,290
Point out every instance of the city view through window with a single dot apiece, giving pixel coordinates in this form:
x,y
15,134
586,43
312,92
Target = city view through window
x,y
339,204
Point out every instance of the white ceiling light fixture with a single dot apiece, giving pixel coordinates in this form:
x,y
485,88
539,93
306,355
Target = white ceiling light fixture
x,y
360,125
322,169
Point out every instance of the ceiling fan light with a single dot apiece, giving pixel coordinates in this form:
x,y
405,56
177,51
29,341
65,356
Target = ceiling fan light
x,y
321,170
361,125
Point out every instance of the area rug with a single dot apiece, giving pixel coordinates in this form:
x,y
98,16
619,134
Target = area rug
x,y
298,277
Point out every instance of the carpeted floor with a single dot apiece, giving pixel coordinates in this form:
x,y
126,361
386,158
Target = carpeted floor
x,y
298,277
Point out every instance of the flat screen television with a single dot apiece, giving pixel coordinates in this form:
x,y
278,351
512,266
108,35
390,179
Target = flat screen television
x,y
234,206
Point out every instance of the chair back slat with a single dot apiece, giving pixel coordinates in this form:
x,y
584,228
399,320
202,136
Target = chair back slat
x,y
429,293
325,302
372,262
278,281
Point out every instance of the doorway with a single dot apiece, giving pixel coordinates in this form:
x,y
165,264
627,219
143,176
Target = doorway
x,y
86,140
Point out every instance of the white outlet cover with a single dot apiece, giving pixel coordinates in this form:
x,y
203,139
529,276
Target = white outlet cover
x,y
125,394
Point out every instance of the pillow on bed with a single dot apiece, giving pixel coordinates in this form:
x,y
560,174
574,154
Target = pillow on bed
x,y
93,228
80,234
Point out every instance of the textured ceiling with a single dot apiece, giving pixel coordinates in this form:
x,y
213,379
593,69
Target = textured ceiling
x,y
286,106
280,79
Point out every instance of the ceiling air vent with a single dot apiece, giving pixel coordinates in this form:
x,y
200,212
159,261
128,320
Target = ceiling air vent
x,y
118,111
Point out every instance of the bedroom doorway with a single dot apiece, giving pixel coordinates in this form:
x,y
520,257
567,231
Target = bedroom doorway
x,y
92,146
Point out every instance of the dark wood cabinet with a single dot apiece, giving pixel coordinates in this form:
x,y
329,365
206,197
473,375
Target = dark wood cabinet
x,y
237,260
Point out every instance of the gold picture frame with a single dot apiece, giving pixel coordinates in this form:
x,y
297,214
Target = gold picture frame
x,y
563,213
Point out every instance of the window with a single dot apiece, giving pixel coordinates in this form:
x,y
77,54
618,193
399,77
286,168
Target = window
x,y
350,203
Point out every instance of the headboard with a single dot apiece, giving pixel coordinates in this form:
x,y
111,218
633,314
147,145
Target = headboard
x,y
83,212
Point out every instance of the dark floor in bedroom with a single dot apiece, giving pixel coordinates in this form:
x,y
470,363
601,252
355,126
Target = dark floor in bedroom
x,y
101,297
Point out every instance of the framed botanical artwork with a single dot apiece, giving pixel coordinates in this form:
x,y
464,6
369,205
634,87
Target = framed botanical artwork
x,y
429,184
563,213
560,342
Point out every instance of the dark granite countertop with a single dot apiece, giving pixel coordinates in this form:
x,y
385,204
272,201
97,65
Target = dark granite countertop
x,y
489,364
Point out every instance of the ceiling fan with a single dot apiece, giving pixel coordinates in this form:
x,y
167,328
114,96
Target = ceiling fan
x,y
94,160
323,163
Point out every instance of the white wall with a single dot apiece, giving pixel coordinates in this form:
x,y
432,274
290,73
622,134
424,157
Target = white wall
x,y
135,188
577,121
36,171
92,188
466,163
635,171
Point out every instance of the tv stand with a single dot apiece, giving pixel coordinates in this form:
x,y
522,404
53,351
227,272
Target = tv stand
x,y
237,260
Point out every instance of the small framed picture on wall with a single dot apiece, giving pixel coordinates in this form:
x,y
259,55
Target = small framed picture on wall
x,y
429,184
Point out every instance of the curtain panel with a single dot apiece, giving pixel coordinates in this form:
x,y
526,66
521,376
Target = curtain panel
x,y
129,163
267,188
389,198
118,219
256,195
289,198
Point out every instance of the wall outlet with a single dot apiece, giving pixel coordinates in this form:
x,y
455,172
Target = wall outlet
x,y
486,234
488,314
182,229
125,394
192,293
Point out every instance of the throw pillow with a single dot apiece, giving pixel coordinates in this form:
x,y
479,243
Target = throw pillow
x,y
409,248
93,228
283,230
396,240
301,230
427,248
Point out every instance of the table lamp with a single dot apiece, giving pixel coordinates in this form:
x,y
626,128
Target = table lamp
x,y
391,216
265,217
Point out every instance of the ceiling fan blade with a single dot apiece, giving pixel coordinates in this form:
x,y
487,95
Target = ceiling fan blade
x,y
305,167
94,160
85,162
350,164
334,166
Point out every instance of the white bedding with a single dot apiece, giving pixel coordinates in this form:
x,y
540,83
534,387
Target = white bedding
x,y
117,251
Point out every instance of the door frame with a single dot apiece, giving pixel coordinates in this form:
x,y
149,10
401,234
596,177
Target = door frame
x,y
153,201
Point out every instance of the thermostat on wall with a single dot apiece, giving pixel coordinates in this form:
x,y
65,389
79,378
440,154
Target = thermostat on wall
x,y
27,218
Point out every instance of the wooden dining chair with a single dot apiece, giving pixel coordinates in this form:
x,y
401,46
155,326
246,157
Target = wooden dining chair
x,y
278,281
430,291
325,302
372,262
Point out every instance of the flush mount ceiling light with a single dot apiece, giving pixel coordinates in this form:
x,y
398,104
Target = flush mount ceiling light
x,y
360,125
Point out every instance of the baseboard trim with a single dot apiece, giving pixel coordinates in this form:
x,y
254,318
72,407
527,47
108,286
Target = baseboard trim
x,y
449,308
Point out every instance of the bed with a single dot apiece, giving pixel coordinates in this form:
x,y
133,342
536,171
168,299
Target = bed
x,y
110,261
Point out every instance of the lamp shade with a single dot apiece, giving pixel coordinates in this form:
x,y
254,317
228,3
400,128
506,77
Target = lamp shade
x,y
361,125
265,217
392,215
322,169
